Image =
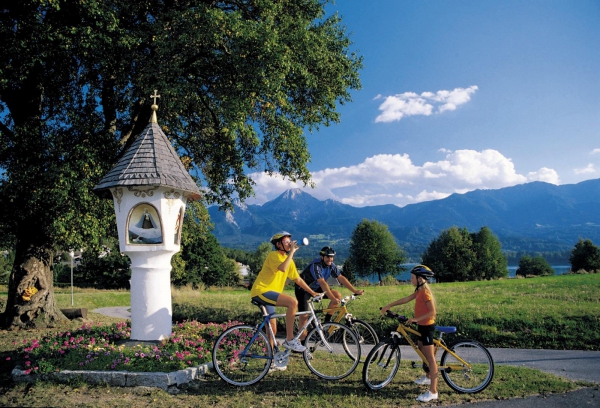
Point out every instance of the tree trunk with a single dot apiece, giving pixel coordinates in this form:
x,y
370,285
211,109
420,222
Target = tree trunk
x,y
27,307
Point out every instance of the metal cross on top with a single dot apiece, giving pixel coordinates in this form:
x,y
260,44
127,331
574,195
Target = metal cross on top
x,y
154,96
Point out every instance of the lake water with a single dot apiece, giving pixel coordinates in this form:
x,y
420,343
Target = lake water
x,y
512,272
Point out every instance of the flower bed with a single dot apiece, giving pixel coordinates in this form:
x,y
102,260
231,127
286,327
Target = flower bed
x,y
97,348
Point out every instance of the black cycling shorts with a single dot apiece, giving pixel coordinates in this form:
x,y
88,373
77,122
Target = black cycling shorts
x,y
426,333
303,296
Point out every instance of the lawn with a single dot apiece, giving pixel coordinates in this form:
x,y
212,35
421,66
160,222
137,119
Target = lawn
x,y
542,312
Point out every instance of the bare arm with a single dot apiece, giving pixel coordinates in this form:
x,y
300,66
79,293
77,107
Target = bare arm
x,y
326,289
346,283
398,302
300,282
286,264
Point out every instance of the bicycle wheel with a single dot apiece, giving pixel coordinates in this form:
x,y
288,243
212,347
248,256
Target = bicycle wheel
x,y
237,359
367,338
337,357
462,378
381,365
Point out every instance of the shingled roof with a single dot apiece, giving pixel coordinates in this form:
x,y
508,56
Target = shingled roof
x,y
150,161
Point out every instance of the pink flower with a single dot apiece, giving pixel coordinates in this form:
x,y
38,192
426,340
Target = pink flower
x,y
7,358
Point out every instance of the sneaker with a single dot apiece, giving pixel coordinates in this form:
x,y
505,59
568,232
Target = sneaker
x,y
294,345
274,368
428,396
423,381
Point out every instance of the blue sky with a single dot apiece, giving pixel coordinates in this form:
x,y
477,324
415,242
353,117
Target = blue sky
x,y
458,96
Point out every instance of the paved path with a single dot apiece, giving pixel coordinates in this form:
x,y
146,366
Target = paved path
x,y
571,364
122,312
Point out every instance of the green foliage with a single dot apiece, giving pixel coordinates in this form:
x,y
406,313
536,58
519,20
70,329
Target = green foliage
x,y
536,266
349,272
553,257
7,259
458,256
451,256
373,250
106,270
585,256
490,262
256,261
239,83
203,261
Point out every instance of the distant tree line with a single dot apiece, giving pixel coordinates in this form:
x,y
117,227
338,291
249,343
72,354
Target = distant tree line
x,y
455,255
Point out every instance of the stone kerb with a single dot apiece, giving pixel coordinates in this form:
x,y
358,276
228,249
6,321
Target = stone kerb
x,y
119,378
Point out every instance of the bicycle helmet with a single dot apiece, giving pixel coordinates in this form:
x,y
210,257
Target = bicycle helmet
x,y
422,271
279,236
327,251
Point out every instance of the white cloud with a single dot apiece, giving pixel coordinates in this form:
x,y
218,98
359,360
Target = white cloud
x,y
395,179
396,107
544,174
589,169
595,151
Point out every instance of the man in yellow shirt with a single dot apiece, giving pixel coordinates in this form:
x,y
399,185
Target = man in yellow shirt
x,y
268,286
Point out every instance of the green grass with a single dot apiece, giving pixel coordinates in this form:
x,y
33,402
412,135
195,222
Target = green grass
x,y
559,312
91,298
540,312
296,387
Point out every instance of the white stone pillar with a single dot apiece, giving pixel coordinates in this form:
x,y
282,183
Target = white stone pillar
x,y
151,306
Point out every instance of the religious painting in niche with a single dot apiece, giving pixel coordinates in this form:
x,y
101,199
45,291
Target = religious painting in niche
x,y
144,226
178,226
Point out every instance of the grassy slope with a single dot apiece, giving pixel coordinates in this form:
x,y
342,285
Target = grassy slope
x,y
560,312
497,313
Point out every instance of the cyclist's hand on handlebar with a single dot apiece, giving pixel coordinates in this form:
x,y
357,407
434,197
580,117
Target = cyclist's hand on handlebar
x,y
359,292
384,310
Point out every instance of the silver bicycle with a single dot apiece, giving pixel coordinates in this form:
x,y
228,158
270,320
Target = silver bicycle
x,y
243,354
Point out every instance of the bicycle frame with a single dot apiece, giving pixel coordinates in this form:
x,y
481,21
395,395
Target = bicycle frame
x,y
402,331
341,310
271,336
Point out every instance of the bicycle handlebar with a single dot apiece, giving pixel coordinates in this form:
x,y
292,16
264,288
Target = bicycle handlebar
x,y
318,298
402,319
348,299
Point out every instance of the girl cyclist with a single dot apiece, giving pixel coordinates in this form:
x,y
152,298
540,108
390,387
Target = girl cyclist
x,y
424,316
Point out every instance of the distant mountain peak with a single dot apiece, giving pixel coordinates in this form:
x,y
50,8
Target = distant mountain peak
x,y
530,217
293,193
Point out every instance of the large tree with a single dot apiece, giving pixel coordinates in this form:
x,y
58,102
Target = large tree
x,y
490,262
240,81
536,266
585,256
451,256
373,250
458,256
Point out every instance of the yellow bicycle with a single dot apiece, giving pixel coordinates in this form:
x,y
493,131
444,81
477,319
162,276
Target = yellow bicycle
x,y
366,335
466,366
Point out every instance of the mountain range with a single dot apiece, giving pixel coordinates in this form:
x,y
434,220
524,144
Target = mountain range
x,y
532,217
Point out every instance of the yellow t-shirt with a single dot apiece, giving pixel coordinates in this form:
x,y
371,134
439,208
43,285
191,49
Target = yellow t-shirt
x,y
272,279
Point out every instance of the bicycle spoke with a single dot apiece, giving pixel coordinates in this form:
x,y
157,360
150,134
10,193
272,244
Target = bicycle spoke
x,y
466,379
337,356
237,361
381,366
366,335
